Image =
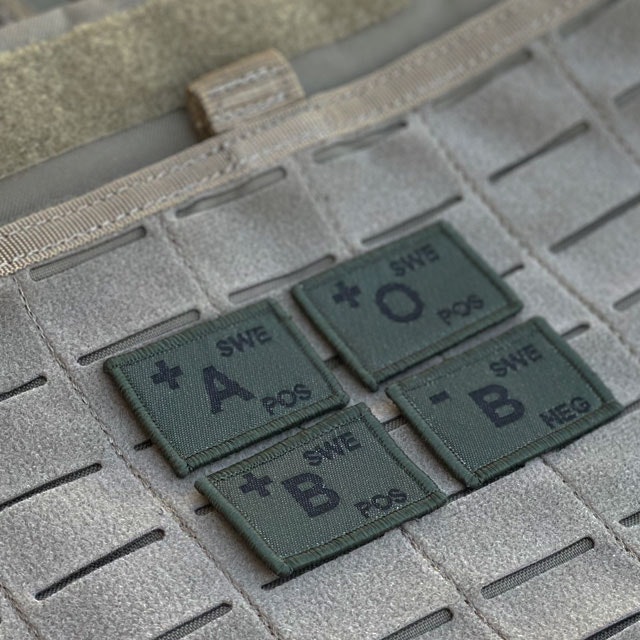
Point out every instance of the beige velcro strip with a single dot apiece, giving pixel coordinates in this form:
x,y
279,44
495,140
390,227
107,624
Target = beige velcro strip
x,y
243,90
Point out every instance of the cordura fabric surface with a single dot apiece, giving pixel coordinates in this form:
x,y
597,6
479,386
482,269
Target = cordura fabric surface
x,y
81,483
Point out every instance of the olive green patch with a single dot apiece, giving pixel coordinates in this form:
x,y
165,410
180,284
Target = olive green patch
x,y
324,491
224,384
513,398
399,305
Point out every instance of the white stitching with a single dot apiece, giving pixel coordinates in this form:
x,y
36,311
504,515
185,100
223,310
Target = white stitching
x,y
248,78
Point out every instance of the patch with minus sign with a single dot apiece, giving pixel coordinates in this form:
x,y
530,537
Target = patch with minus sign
x,y
326,490
224,384
494,407
396,306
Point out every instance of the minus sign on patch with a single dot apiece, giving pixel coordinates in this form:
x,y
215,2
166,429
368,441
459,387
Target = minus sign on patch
x,y
440,397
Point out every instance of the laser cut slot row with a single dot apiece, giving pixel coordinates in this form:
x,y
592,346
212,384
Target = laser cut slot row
x,y
257,183
423,626
189,627
562,139
607,217
131,547
52,484
23,388
68,262
407,226
151,333
334,151
246,294
616,628
513,580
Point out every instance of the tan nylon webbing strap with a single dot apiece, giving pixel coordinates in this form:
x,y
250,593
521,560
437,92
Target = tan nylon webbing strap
x,y
133,66
428,72
246,89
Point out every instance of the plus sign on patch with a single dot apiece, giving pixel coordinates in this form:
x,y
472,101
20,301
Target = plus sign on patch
x,y
224,384
396,306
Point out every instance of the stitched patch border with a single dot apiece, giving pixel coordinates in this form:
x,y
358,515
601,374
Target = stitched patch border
x,y
373,377
285,566
183,465
398,392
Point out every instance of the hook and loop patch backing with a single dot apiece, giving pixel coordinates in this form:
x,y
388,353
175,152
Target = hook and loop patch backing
x,y
324,491
396,306
493,408
224,384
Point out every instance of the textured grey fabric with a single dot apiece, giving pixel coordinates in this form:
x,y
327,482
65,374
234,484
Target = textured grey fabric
x,y
320,209
113,295
604,465
517,521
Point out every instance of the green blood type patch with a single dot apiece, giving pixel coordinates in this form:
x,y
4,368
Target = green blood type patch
x,y
328,489
491,409
393,307
224,384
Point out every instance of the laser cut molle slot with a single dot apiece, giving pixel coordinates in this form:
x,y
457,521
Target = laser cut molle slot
x,y
615,628
518,578
625,303
511,270
423,626
407,226
333,363
631,521
334,151
586,18
468,88
627,96
257,183
203,510
27,386
151,333
607,217
562,139
187,628
576,331
131,547
52,484
395,423
65,263
141,446
254,291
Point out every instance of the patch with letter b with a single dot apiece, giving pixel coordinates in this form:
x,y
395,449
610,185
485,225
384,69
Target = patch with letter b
x,y
393,307
224,384
489,410
324,491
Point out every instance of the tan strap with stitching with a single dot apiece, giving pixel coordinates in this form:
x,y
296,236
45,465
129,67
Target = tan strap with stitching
x,y
429,72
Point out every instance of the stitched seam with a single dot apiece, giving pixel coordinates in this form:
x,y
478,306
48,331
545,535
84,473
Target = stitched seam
x,y
400,70
438,568
20,613
253,108
168,508
112,194
250,77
